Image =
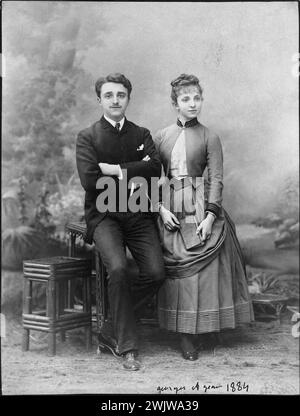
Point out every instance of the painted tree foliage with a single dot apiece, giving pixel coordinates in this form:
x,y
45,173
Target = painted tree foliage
x,y
44,90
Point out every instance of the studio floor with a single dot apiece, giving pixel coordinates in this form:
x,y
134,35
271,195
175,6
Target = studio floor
x,y
263,356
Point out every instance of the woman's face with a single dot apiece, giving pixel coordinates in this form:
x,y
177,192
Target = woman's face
x,y
189,103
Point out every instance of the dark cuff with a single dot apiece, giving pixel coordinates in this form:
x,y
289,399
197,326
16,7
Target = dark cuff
x,y
215,209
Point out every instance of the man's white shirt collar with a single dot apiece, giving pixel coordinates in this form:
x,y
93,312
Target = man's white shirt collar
x,y
113,122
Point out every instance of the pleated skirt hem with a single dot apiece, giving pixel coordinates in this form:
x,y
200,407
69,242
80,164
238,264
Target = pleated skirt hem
x,y
198,322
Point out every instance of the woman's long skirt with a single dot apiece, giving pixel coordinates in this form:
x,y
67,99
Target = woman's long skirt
x,y
206,288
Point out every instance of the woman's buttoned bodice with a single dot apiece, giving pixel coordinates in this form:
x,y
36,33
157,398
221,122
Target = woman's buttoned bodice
x,y
201,149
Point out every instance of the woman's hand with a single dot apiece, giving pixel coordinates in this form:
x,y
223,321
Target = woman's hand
x,y
205,227
170,221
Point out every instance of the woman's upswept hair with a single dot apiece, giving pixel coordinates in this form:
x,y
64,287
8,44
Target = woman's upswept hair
x,y
117,78
182,81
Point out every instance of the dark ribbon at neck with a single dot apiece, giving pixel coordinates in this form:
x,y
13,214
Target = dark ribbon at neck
x,y
190,123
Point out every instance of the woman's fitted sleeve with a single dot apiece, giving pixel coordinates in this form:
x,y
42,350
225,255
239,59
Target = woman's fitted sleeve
x,y
215,174
157,140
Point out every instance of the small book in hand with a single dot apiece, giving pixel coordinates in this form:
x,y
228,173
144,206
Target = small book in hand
x,y
189,236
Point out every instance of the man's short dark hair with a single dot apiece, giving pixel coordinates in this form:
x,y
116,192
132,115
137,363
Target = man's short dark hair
x,y
117,78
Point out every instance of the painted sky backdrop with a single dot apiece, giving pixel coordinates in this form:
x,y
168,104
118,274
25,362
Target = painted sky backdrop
x,y
245,55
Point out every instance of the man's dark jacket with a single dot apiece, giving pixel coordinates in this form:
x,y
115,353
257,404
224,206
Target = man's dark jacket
x,y
101,142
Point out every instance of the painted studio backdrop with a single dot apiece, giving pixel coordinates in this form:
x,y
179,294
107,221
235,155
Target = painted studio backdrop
x,y
246,57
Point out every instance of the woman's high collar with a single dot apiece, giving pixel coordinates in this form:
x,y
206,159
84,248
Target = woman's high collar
x,y
191,123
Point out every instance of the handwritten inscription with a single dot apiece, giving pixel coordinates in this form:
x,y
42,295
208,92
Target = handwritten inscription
x,y
232,387
176,389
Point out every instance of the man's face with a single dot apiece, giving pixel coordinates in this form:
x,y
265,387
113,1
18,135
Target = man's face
x,y
114,100
189,102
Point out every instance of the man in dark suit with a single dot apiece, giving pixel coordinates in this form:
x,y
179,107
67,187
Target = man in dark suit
x,y
116,148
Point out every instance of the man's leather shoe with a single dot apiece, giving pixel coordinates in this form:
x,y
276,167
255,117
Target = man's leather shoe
x,y
106,343
130,361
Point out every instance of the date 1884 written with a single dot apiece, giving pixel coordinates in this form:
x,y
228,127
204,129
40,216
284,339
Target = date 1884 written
x,y
232,387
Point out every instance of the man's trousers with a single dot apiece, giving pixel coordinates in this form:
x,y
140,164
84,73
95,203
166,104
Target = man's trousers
x,y
138,232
